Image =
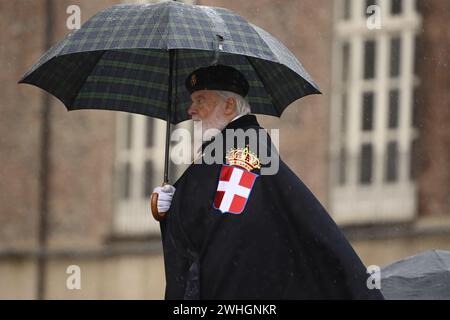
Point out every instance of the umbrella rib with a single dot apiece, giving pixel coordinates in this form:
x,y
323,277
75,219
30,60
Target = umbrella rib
x,y
84,80
262,81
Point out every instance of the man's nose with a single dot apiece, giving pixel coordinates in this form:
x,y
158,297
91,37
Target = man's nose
x,y
190,109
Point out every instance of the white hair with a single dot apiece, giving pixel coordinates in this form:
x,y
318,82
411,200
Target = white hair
x,y
242,106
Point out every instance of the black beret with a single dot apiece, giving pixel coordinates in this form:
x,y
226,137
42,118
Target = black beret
x,y
218,77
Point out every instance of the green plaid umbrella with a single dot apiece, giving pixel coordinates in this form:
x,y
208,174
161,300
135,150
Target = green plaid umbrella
x,y
135,58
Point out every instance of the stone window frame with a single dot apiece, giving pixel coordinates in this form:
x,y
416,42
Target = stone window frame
x,y
132,215
387,197
140,149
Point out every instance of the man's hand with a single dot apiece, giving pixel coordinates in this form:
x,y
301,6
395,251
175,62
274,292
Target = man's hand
x,y
165,195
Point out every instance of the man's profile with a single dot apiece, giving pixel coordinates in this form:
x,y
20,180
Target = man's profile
x,y
232,232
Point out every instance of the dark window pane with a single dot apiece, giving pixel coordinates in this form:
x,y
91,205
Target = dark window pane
x,y
395,57
344,113
368,4
396,7
369,59
392,162
126,180
149,131
129,131
342,166
148,179
368,111
345,61
347,9
413,160
393,109
366,164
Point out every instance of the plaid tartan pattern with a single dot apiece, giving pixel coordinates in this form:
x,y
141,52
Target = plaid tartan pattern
x,y
119,60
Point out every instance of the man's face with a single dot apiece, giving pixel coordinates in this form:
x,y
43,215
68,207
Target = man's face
x,y
209,111
203,104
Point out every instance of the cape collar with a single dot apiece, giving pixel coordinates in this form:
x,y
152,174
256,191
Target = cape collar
x,y
249,120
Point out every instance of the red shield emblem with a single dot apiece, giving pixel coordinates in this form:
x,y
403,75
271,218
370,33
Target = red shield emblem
x,y
233,189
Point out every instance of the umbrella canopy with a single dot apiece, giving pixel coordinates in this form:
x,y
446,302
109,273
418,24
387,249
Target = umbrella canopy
x,y
423,276
123,59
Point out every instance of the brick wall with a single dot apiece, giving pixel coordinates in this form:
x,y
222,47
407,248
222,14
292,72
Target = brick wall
x,y
81,153
21,26
434,109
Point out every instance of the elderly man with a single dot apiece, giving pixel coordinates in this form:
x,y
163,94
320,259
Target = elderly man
x,y
233,232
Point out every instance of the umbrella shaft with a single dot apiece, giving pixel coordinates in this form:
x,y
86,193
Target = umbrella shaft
x,y
169,115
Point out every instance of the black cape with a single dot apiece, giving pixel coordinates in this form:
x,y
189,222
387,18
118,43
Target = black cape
x,y
284,245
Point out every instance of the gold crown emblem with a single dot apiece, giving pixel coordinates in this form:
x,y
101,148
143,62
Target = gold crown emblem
x,y
193,80
243,158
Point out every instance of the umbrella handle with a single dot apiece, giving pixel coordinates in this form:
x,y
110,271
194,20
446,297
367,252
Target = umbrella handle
x,y
158,216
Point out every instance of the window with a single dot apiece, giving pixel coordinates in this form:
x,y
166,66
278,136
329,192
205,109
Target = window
x,y
395,56
367,112
366,164
391,165
346,9
374,112
139,168
149,175
343,166
366,8
369,59
393,109
125,175
396,7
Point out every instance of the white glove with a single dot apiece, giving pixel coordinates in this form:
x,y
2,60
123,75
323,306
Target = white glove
x,y
165,195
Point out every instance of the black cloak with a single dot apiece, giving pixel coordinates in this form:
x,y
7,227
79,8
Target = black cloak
x,y
283,245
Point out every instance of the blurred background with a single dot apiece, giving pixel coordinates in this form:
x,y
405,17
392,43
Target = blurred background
x,y
374,148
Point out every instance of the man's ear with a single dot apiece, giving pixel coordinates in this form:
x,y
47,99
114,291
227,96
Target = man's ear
x,y
230,106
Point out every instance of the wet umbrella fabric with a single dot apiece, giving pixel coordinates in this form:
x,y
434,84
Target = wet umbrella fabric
x,y
120,60
423,276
